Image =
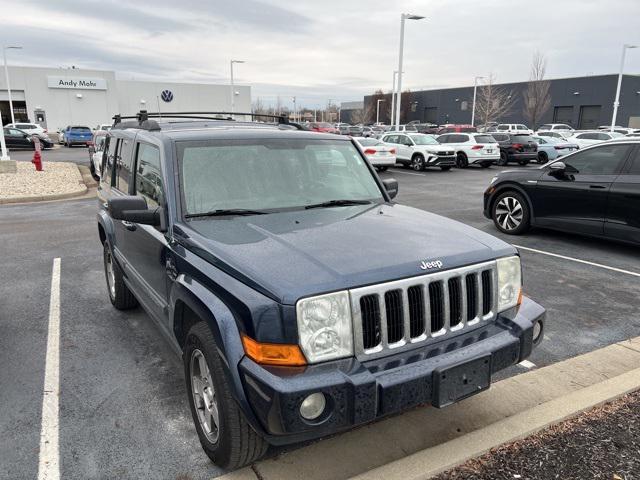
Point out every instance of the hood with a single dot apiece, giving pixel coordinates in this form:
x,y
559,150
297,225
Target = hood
x,y
296,254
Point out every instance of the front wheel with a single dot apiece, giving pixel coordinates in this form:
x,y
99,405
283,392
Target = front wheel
x,y
504,159
119,294
511,213
543,157
417,162
224,433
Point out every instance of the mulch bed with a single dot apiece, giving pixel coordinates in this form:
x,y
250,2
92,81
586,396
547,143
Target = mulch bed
x,y
603,443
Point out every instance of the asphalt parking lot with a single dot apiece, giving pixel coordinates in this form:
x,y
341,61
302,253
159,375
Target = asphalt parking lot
x,y
123,411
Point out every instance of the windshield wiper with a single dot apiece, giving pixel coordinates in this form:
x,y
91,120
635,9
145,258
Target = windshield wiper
x,y
337,203
226,211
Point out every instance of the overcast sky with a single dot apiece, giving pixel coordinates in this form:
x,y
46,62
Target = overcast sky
x,y
322,49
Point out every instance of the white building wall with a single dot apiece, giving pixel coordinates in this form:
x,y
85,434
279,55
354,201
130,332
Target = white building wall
x,y
63,106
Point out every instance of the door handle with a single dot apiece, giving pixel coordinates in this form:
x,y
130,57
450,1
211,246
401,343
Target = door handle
x,y
129,225
597,186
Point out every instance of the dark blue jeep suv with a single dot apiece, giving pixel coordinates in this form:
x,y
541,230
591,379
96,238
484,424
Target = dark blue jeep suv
x,y
302,299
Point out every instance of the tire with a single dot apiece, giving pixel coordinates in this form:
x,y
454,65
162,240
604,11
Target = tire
x,y
417,162
543,157
510,213
233,443
504,159
461,160
524,163
119,294
445,169
485,164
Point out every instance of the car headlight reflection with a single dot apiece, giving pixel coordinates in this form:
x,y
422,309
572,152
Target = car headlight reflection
x,y
509,282
325,327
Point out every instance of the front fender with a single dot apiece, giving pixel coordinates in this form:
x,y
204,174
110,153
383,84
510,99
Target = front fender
x,y
224,329
106,222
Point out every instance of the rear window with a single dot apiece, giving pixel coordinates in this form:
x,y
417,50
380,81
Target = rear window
x,y
522,138
503,128
484,139
81,129
25,126
545,127
369,142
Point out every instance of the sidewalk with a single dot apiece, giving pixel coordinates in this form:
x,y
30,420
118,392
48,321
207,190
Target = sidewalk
x,y
57,180
426,441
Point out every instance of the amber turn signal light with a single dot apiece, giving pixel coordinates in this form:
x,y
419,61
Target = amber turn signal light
x,y
273,353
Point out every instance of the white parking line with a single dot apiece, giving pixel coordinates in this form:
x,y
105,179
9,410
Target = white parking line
x,y
527,364
49,467
619,270
405,173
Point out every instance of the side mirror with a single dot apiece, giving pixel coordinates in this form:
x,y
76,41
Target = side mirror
x,y
558,167
132,208
391,186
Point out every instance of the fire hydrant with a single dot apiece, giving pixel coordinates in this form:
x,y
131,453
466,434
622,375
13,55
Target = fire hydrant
x,y
37,157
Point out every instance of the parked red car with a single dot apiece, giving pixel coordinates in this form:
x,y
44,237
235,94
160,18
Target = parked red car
x,y
453,128
322,127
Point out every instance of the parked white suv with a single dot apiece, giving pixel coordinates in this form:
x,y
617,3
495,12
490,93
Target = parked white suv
x,y
584,139
418,151
30,128
472,148
559,134
513,128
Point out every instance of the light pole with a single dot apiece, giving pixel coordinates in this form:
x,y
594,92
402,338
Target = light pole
x,y
403,17
294,109
6,74
393,97
473,108
233,90
616,102
378,109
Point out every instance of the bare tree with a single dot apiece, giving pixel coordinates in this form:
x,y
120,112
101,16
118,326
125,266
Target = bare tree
x,y
258,108
407,100
537,99
493,101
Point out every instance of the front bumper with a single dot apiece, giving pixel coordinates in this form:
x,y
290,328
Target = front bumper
x,y
441,161
360,392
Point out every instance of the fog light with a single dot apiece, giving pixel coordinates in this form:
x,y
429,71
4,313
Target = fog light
x,y
313,406
537,332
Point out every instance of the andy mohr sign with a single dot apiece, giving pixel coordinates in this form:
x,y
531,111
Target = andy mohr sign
x,y
84,83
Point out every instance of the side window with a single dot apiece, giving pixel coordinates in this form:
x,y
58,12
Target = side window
x,y
603,136
149,175
503,128
108,159
634,169
443,138
123,164
603,160
541,141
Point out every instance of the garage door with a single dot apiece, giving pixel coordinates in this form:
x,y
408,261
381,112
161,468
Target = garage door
x,y
589,117
563,115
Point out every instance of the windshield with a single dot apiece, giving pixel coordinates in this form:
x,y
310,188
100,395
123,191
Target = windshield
x,y
423,140
274,174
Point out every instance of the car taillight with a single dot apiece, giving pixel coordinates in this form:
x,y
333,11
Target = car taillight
x,y
393,151
477,147
517,146
370,151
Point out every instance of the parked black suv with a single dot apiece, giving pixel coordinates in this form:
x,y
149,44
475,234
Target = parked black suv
x,y
302,299
516,147
594,191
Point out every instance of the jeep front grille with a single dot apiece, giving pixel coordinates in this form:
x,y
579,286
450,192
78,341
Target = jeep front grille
x,y
397,315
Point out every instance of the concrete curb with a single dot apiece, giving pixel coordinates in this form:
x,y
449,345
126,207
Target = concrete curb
x,y
57,196
425,441
435,460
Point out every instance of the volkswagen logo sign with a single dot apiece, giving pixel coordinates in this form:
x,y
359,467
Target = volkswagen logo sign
x,y
166,96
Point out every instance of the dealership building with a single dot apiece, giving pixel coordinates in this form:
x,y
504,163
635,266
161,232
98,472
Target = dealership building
x,y
56,97
582,102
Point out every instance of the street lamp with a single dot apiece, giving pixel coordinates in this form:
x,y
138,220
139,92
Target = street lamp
x,y
233,90
403,17
378,109
616,102
393,97
473,108
6,74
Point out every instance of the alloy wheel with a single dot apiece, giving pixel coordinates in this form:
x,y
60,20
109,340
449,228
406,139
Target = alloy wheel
x,y
204,396
111,278
509,213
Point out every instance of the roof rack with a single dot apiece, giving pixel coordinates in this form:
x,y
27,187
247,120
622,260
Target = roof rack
x,y
143,119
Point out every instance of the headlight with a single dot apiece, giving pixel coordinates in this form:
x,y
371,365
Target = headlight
x,y
509,282
324,327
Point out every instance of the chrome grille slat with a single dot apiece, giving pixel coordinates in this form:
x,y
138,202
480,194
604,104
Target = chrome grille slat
x,y
402,310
